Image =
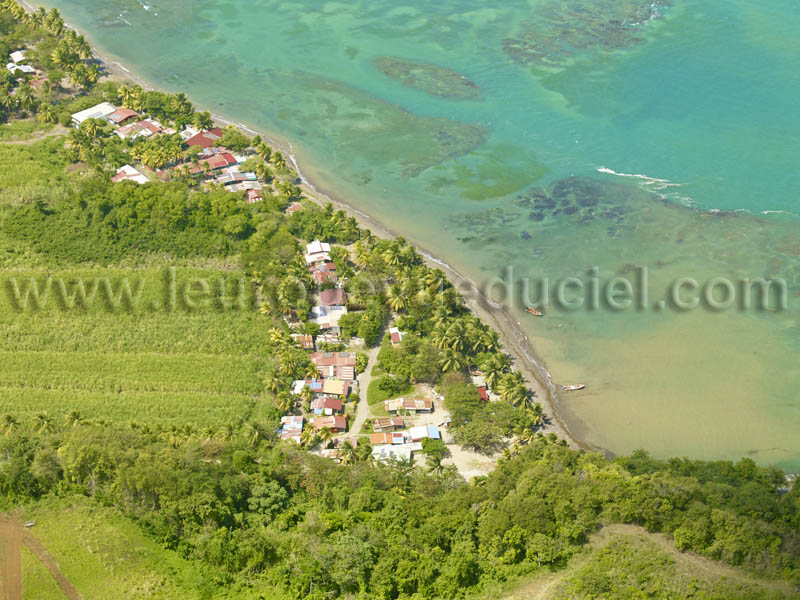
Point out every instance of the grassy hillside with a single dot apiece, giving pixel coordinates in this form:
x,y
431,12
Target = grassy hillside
x,y
106,557
627,562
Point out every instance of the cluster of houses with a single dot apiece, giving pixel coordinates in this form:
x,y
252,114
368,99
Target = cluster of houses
x,y
331,306
18,67
337,375
400,445
215,163
336,380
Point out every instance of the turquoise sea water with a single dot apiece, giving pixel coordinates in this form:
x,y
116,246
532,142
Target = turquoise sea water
x,y
440,119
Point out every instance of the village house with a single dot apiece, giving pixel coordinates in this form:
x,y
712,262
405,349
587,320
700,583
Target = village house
x,y
100,111
335,423
119,116
317,252
386,439
391,453
254,196
332,453
324,273
327,317
326,406
332,297
214,163
322,387
291,428
339,359
17,56
144,129
337,372
128,173
206,138
409,405
328,338
387,424
417,434
305,341
293,208
26,69
231,176
396,336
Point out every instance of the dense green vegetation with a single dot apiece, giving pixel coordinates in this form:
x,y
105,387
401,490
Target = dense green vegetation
x,y
252,510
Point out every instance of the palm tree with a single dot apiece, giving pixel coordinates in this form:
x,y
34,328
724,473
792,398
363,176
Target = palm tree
x,y
325,435
392,255
92,74
363,450
307,396
125,95
439,335
263,172
10,423
536,414
512,389
494,368
181,104
264,151
46,114
435,466
435,279
284,401
278,337
43,423
362,253
227,432
308,436
25,98
7,101
91,127
74,418
451,360
274,382
278,160
347,453
456,335
254,433
396,298
203,120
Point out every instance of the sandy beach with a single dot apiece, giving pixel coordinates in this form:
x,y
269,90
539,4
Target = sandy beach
x,y
512,338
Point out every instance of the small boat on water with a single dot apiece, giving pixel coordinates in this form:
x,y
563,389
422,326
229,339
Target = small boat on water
x,y
535,311
573,388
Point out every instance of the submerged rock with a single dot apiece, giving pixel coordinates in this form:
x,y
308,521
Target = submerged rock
x,y
429,78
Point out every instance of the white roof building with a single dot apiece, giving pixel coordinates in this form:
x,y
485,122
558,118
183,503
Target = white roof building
x,y
317,246
14,67
327,317
317,251
130,174
387,453
101,111
18,56
416,434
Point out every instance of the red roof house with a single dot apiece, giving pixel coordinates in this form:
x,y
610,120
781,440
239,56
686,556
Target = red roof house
x,y
332,297
206,139
216,162
119,116
323,359
334,423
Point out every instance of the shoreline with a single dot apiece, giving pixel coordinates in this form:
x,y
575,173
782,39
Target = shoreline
x,y
512,337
